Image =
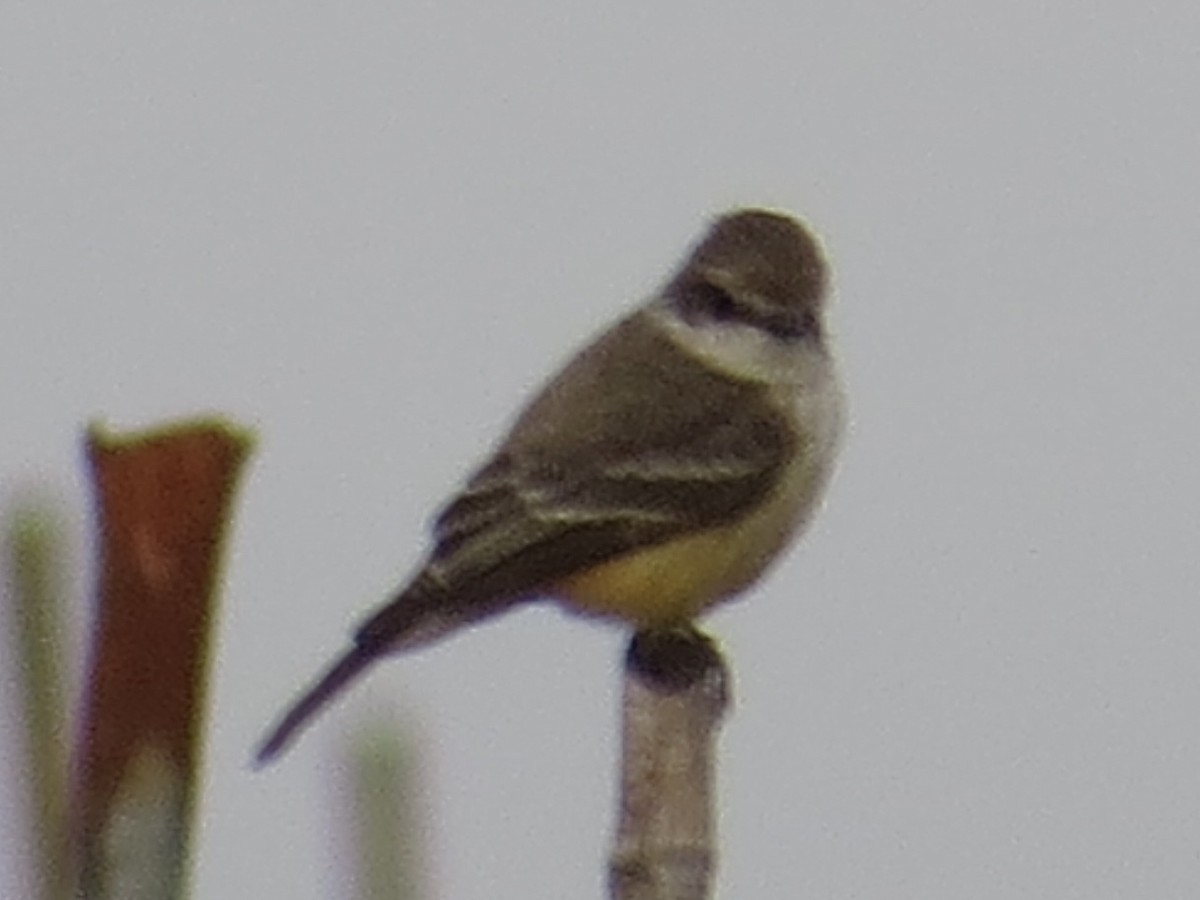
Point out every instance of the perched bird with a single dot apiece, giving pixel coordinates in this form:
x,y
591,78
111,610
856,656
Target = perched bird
x,y
658,473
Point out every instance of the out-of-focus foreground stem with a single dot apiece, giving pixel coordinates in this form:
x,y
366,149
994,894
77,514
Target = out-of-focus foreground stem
x,y
162,507
383,767
34,559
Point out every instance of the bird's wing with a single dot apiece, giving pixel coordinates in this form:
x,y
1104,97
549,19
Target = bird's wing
x,y
579,481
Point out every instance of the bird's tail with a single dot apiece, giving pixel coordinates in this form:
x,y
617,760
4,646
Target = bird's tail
x,y
332,683
416,617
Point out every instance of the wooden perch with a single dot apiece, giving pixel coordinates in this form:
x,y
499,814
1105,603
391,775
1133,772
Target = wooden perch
x,y
676,691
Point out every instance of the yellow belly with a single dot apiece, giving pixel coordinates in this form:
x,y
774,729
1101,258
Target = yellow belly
x,y
668,584
672,583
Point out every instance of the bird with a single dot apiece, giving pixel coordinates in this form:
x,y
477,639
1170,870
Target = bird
x,y
659,473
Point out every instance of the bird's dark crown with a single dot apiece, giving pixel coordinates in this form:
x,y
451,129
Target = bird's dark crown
x,y
756,266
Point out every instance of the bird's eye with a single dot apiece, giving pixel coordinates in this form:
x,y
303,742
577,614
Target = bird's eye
x,y
710,301
809,324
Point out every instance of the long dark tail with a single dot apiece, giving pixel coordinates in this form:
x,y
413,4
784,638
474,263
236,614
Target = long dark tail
x,y
332,683
415,618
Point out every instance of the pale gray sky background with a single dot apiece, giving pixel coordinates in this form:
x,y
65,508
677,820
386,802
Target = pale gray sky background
x,y
369,229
